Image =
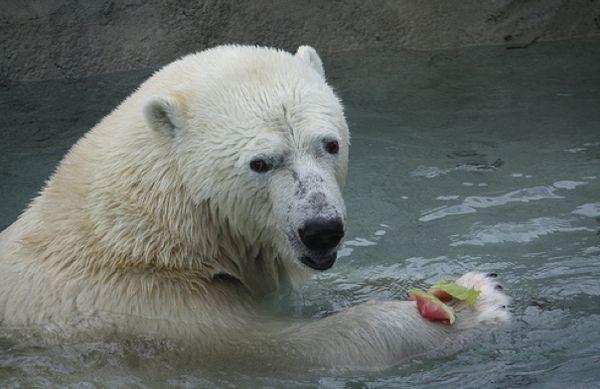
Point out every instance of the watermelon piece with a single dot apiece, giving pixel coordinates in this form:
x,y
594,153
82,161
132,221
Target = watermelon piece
x,y
456,291
430,307
441,295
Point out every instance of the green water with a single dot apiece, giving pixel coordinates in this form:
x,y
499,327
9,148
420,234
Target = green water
x,y
474,159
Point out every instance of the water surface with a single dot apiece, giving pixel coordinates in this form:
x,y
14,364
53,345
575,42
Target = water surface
x,y
475,159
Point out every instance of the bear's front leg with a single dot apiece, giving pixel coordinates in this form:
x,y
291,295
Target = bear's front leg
x,y
380,333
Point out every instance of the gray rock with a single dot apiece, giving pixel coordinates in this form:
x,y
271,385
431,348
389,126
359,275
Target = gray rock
x,y
55,39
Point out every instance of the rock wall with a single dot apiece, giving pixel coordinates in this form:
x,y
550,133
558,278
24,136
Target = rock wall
x,y
54,39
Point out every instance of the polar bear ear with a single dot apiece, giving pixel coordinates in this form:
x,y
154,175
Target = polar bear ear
x,y
310,56
163,114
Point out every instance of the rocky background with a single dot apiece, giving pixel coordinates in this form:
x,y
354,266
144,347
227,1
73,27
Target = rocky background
x,y
57,39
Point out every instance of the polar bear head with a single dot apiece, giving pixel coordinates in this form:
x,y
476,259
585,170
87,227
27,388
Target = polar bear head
x,y
260,140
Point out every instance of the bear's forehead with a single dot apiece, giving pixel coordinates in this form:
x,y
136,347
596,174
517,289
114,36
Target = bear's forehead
x,y
291,121
262,94
262,84
255,110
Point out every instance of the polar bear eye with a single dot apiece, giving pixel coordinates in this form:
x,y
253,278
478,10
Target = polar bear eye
x,y
332,147
259,165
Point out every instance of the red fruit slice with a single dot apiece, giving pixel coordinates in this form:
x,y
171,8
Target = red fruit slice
x,y
440,294
430,307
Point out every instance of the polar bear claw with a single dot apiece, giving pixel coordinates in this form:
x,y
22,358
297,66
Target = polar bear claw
x,y
491,306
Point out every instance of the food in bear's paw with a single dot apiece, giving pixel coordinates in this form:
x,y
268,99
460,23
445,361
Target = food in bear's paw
x,y
430,307
454,290
431,304
441,295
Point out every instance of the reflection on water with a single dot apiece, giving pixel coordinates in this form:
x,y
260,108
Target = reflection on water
x,y
518,232
525,195
479,158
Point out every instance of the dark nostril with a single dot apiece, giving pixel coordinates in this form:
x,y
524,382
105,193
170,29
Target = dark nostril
x,y
322,234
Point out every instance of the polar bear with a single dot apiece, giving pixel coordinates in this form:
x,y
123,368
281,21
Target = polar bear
x,y
214,184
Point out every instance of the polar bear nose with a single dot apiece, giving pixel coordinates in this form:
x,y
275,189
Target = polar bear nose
x,y
322,234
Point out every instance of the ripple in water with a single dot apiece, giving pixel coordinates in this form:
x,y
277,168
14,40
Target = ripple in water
x,y
472,203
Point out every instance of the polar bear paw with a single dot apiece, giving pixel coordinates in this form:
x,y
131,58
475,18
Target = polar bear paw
x,y
491,307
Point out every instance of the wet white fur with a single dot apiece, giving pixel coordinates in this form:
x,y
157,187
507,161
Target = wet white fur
x,y
154,224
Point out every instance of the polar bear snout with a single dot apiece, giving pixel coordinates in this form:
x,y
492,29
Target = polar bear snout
x,y
322,235
311,211
322,263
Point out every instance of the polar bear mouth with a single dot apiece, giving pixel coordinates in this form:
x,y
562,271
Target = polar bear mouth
x,y
320,263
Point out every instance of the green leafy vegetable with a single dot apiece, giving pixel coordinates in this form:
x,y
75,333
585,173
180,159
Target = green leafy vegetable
x,y
457,291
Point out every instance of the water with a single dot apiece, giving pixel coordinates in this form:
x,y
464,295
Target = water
x,y
479,158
